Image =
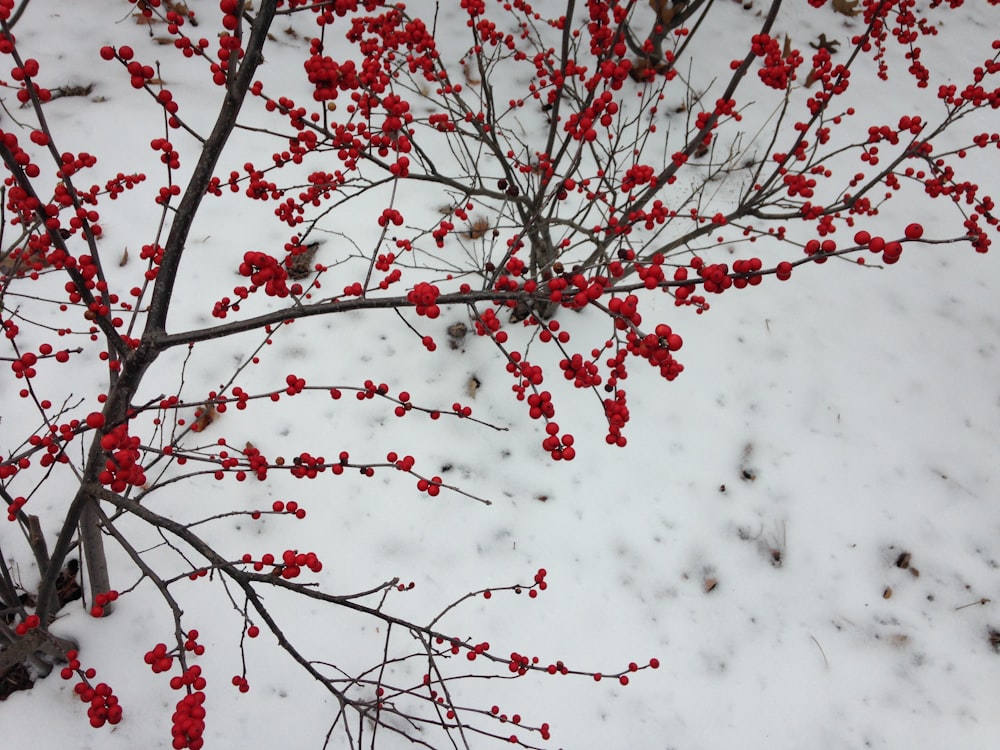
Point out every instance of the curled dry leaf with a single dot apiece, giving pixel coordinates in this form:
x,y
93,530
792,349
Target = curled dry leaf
x,y
468,75
830,45
456,334
994,639
472,387
665,10
302,264
478,229
203,417
846,7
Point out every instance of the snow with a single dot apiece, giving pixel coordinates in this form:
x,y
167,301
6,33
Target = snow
x,y
748,536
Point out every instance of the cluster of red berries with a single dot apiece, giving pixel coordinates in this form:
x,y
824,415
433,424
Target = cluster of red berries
x,y
307,466
617,413
560,448
488,324
28,623
291,508
431,486
289,566
189,721
101,601
191,644
159,659
265,271
424,298
122,468
15,507
104,707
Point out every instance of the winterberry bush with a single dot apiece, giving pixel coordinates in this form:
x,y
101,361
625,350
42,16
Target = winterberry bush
x,y
539,182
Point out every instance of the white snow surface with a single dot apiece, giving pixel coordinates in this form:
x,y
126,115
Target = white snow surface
x,y
863,404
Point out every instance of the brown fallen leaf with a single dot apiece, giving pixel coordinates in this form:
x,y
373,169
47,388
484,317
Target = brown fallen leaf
x,y
467,71
204,417
472,387
846,7
478,229
303,264
665,10
830,45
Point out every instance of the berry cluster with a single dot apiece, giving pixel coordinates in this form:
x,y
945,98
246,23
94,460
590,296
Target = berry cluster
x,y
159,659
101,601
122,467
27,624
103,703
189,719
289,566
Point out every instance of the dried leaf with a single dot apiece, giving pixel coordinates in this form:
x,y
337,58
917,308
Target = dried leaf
x,y
203,418
830,45
478,229
472,387
124,258
786,51
302,265
72,90
468,75
665,10
846,7
456,334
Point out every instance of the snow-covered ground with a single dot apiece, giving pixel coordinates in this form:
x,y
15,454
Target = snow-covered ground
x,y
804,527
